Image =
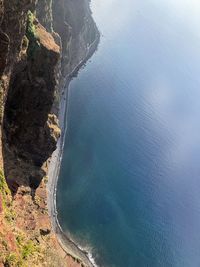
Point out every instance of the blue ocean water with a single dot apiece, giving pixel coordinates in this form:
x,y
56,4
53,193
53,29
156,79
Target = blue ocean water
x,y
129,185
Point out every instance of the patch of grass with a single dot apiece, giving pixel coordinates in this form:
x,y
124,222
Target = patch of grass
x,y
3,242
30,31
3,185
29,249
10,215
26,248
20,240
14,260
31,35
11,260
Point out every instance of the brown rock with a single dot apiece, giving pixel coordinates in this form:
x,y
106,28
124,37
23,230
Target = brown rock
x,y
4,47
29,127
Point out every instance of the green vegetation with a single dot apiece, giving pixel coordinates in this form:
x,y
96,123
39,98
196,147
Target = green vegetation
x,y
4,190
9,213
11,260
31,35
28,249
25,248
3,242
20,240
14,260
30,31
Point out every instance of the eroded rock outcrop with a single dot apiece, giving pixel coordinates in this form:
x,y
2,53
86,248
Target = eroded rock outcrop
x,y
30,97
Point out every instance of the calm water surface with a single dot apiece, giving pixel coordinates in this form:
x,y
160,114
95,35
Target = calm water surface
x,y
129,186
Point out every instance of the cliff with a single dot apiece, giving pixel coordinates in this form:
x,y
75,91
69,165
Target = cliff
x,y
41,44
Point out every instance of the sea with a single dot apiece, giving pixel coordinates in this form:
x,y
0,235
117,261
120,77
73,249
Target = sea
x,y
129,184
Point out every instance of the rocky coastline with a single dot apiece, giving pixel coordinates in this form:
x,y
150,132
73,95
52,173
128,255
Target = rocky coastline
x,y
43,43
68,245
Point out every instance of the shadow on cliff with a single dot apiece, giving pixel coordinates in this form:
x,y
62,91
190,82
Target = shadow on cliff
x,y
27,137
30,130
20,172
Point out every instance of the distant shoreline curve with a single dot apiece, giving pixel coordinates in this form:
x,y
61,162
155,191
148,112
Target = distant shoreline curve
x,y
68,245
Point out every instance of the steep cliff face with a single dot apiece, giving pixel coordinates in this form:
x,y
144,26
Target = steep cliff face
x,y
30,130
44,13
77,33
13,25
41,43
32,69
30,98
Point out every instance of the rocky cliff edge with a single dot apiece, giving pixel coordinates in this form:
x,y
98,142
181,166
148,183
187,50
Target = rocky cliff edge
x,y
41,43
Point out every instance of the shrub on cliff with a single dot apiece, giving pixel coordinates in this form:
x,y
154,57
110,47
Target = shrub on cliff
x,y
30,31
34,45
4,190
28,249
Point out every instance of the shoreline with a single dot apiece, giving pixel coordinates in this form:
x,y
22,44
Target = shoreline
x,y
67,244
